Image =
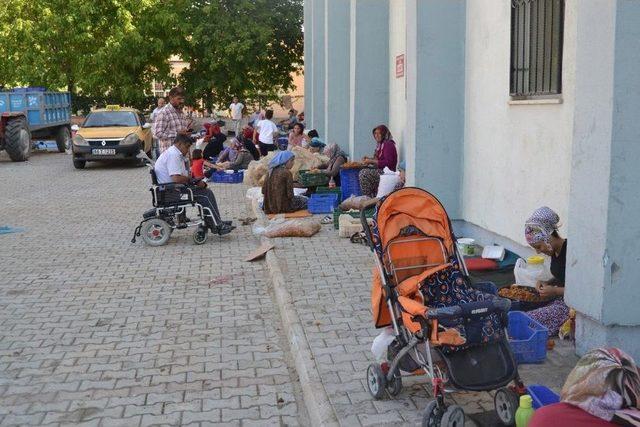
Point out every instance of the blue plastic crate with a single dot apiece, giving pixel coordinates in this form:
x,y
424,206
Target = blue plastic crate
x,y
350,183
527,337
227,178
542,396
322,203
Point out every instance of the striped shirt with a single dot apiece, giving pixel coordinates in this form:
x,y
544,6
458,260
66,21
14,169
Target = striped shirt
x,y
168,122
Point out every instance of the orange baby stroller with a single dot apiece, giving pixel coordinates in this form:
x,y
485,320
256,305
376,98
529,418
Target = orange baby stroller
x,y
443,326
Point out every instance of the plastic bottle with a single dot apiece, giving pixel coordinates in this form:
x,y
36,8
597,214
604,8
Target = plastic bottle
x,y
525,411
332,183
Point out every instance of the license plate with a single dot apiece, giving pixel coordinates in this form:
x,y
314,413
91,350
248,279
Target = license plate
x,y
103,151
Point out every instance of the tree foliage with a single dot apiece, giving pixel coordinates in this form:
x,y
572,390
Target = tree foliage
x,y
247,48
112,50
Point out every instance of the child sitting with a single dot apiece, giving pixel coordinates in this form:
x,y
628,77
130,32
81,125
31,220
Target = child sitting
x,y
197,164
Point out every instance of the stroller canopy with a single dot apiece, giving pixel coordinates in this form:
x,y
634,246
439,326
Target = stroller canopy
x,y
411,207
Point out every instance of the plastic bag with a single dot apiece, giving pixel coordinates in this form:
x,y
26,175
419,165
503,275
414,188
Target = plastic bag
x,y
258,229
381,344
388,182
278,227
529,277
354,202
303,160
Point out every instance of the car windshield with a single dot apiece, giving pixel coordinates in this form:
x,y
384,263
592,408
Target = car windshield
x,y
100,119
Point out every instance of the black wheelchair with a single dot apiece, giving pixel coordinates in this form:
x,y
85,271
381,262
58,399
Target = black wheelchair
x,y
170,204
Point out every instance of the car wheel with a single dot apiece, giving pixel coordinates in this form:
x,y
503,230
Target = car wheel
x,y
79,164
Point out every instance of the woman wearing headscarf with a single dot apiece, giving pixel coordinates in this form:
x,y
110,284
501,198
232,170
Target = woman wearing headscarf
x,y
384,156
316,145
541,232
602,390
337,158
278,186
215,140
247,140
241,159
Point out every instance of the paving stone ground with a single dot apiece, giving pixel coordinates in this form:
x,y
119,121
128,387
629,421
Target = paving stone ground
x,y
97,331
329,279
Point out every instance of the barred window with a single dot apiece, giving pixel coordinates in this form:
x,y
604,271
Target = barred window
x,y
537,28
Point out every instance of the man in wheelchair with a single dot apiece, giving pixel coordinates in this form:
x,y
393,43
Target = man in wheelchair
x,y
171,168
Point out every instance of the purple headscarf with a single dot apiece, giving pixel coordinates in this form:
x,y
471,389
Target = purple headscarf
x,y
541,225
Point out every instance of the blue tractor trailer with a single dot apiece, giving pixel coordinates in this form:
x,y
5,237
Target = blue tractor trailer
x,y
27,113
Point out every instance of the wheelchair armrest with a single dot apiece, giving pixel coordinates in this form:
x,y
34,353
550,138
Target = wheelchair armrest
x,y
172,186
472,309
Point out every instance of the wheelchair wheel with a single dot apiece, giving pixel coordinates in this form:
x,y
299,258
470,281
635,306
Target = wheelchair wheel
x,y
200,236
156,232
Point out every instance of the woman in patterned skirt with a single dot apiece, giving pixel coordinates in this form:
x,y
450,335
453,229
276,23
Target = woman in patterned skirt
x,y
385,155
541,232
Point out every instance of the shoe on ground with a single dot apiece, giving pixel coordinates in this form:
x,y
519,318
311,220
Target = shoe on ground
x,y
227,222
225,229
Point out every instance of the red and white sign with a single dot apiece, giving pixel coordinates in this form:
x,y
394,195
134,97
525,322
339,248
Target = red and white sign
x,y
400,66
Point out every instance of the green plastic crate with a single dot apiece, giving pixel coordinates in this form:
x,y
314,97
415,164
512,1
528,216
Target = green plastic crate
x,y
355,214
308,179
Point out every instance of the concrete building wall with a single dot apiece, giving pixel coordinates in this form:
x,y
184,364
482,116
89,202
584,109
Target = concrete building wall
x,y
308,60
435,98
369,73
517,156
336,111
397,85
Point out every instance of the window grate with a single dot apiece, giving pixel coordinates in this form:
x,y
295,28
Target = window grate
x,y
537,28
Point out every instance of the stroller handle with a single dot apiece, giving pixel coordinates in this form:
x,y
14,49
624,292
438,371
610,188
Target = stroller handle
x,y
472,309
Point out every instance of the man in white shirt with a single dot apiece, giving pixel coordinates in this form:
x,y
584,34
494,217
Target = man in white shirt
x,y
235,114
266,132
161,104
171,168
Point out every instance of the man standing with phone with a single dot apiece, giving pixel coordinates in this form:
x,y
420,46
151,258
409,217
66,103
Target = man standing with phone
x,y
170,121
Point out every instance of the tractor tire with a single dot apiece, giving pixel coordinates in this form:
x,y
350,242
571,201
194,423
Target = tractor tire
x,y
63,139
17,139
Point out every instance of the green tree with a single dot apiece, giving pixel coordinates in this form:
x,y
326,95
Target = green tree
x,y
247,48
99,50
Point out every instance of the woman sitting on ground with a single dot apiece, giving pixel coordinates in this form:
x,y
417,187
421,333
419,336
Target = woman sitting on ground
x,y
337,158
384,156
541,232
316,145
241,162
247,140
278,186
296,136
215,141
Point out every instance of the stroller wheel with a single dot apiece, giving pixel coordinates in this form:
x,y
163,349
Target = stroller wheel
x,y
432,414
376,381
506,404
200,236
452,417
394,387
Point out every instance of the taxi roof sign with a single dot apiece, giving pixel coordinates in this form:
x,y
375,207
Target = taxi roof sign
x,y
114,107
